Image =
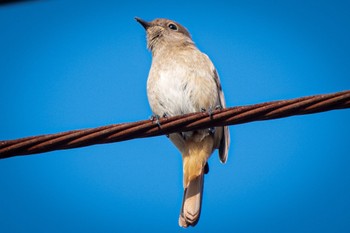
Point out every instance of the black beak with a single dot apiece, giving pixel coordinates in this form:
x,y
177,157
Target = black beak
x,y
144,23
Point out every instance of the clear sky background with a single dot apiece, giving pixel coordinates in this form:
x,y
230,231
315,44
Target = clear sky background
x,y
68,65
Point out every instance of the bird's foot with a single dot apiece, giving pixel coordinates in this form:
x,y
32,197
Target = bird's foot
x,y
210,110
155,118
218,107
165,115
210,113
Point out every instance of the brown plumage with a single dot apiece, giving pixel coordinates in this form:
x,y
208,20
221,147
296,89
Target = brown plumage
x,y
183,80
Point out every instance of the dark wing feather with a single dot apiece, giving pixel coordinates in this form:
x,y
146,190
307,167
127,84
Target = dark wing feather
x,y
225,138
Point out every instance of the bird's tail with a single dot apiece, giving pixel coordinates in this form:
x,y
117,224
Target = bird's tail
x,y
192,202
194,159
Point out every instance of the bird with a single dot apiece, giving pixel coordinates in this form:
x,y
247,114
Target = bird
x,y
183,80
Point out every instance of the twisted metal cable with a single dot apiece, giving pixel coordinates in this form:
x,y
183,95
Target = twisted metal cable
x,y
193,121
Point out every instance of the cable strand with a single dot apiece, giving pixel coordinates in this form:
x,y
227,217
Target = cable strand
x,y
188,122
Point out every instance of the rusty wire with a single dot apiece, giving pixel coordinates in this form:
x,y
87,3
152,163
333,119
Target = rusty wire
x,y
194,121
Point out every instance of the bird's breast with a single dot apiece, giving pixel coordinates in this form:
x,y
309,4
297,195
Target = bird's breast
x,y
176,87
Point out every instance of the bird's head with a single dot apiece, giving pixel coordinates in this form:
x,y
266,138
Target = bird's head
x,y
165,32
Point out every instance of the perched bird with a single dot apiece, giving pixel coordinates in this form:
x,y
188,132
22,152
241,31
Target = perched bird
x,y
183,80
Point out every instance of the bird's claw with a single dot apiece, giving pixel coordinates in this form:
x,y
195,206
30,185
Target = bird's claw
x,y
155,118
218,107
210,113
211,110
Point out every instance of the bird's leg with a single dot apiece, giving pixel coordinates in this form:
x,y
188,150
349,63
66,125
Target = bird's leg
x,y
165,115
155,118
218,107
210,113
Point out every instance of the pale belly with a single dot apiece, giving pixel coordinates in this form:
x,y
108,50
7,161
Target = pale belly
x,y
177,92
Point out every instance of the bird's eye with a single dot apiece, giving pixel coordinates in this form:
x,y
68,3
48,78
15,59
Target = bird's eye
x,y
172,26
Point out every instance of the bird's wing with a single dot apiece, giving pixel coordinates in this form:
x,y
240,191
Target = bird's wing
x,y
225,138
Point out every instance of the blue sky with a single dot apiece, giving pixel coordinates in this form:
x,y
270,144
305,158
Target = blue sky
x,y
68,65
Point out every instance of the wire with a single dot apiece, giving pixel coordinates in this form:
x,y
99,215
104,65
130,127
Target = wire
x,y
167,125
